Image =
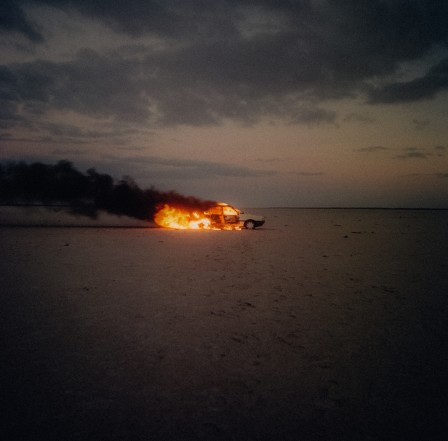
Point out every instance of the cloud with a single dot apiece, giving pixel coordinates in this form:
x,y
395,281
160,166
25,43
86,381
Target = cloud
x,y
425,87
167,18
308,174
69,152
441,175
174,168
90,84
224,60
407,152
373,148
421,124
275,159
13,19
423,153
413,153
70,133
357,117
90,74
125,91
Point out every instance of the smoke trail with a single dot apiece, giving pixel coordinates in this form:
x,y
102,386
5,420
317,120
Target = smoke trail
x,y
85,194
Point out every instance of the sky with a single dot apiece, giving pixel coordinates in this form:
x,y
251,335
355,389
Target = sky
x,y
307,103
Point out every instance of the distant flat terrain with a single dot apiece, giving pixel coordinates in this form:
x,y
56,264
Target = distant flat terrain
x,y
322,325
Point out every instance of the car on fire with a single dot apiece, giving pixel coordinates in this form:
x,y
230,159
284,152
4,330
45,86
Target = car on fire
x,y
228,217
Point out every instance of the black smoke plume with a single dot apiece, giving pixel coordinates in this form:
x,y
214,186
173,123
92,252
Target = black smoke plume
x,y
86,194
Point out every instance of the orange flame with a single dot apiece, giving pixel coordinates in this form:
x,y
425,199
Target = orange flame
x,y
182,219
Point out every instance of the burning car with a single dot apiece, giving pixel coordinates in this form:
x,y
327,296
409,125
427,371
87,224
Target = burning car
x,y
225,216
216,217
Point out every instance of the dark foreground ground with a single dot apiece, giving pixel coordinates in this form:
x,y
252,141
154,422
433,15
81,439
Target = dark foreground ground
x,y
324,325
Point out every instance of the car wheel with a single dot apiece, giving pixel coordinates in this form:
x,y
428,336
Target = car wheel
x,y
249,224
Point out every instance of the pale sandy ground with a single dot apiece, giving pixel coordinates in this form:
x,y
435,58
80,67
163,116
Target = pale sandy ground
x,y
324,324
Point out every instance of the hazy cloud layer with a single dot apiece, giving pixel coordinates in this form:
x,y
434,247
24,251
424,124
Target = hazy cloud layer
x,y
225,60
309,174
423,153
152,168
426,175
159,167
373,148
407,152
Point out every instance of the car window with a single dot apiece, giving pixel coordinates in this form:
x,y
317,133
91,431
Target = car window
x,y
229,211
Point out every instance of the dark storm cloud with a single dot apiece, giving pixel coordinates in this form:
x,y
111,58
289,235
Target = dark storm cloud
x,y
13,19
230,59
167,18
425,87
154,91
90,84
